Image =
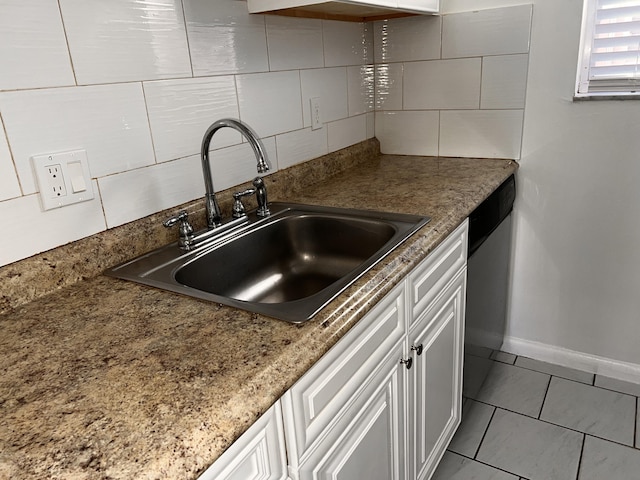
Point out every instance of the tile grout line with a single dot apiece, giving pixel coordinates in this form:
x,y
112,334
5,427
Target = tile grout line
x,y
544,399
635,427
475,455
485,464
584,439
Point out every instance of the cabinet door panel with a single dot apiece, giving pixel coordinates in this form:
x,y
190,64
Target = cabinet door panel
x,y
313,403
259,454
429,278
368,441
436,386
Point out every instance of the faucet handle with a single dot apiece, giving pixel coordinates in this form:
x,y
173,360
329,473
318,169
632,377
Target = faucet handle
x,y
186,230
261,197
238,207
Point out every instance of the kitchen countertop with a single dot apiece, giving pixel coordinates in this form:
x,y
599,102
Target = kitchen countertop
x,y
108,379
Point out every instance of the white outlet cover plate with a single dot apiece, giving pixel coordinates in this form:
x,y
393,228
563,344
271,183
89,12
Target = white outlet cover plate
x,y
316,115
40,164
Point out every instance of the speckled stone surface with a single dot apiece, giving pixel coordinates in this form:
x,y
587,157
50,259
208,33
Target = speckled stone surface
x,y
107,379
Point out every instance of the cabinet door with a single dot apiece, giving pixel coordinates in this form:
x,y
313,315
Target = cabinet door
x,y
336,380
259,454
367,442
430,6
436,385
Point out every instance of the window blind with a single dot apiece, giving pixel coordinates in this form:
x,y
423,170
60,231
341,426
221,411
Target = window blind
x,y
611,47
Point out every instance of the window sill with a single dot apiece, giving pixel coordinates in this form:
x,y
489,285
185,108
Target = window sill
x,y
606,96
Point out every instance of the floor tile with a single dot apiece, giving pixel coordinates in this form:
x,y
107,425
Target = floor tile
x,y
475,420
456,467
618,385
531,448
503,357
610,461
476,370
555,370
592,410
477,350
514,388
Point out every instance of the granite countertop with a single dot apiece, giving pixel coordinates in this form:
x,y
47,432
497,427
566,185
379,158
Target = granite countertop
x,y
107,379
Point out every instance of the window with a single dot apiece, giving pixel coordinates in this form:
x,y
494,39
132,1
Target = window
x,y
609,64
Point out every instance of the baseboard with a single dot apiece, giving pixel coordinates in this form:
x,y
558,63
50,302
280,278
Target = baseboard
x,y
607,367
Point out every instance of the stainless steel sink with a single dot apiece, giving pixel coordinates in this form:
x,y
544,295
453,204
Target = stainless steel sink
x,y
288,265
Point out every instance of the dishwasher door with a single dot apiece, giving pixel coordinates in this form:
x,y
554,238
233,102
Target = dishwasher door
x,y
487,287
487,284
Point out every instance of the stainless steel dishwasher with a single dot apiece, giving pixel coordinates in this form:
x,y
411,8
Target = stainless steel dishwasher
x,y
487,283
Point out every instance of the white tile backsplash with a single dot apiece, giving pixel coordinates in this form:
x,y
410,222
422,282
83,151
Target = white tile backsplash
x,y
134,194
294,43
45,230
225,39
122,41
180,111
108,121
348,131
33,48
407,39
504,81
481,133
300,146
9,186
388,89
234,165
361,89
497,31
371,124
452,84
408,132
347,43
278,111
330,85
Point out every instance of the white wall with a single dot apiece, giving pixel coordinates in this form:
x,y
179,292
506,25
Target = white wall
x,y
576,269
136,84
453,85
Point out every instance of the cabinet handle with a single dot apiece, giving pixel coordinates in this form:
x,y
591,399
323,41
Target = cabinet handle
x,y
408,362
417,349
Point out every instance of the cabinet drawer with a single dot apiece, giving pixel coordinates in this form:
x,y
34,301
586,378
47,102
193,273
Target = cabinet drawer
x,y
436,271
332,383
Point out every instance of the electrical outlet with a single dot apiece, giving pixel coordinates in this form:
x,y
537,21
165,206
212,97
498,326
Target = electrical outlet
x,y
316,118
56,189
63,178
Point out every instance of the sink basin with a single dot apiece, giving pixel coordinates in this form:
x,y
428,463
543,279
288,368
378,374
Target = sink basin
x,y
288,265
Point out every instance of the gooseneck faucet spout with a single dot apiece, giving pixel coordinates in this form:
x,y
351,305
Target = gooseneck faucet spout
x,y
214,217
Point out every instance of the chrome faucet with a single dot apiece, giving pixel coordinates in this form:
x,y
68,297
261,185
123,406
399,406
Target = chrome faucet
x,y
189,240
214,217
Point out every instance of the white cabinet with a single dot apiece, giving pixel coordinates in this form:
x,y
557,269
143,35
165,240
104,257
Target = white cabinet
x,y
427,6
435,405
368,440
342,380
259,454
353,10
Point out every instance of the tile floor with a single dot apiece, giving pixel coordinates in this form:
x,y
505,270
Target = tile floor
x,y
531,420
